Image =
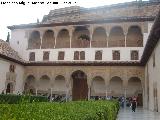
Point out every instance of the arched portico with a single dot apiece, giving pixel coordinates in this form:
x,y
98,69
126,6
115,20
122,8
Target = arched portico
x,y
116,87
34,41
99,38
48,40
63,39
44,84
135,89
80,87
116,37
98,87
80,38
30,84
59,85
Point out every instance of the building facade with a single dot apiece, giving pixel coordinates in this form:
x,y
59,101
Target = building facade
x,y
81,53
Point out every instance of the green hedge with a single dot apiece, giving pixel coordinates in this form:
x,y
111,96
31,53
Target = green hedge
x,y
80,110
14,99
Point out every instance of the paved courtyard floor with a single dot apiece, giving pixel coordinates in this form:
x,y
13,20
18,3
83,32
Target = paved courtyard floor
x,y
140,114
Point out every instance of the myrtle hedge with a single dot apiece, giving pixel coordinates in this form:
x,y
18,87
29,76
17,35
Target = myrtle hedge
x,y
79,110
15,99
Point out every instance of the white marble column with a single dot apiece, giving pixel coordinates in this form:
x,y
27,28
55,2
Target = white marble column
x,y
125,29
37,85
89,86
71,29
106,94
125,36
107,37
51,95
67,95
125,96
36,91
91,35
41,37
41,42
55,36
89,92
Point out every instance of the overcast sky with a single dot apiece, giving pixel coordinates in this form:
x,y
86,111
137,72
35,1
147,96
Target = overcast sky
x,y
14,14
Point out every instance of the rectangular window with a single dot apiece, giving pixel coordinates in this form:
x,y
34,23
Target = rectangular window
x,y
45,55
12,68
61,55
116,55
82,55
134,55
98,55
79,55
32,56
76,55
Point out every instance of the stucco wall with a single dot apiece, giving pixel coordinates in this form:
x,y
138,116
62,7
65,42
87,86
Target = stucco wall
x,y
153,74
19,71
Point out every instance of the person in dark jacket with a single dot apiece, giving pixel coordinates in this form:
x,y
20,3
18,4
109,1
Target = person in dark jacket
x,y
134,105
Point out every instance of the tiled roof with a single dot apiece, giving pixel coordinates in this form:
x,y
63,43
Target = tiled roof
x,y
75,15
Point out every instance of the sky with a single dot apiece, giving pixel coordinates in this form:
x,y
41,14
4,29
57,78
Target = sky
x,y
15,14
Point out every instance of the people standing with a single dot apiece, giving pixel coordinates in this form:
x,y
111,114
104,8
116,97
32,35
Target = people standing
x,y
134,105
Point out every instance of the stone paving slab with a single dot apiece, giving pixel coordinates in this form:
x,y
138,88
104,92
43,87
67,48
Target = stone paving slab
x,y
140,114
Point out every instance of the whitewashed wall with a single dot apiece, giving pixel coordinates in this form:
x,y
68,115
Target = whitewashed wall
x,y
4,68
21,36
154,77
89,53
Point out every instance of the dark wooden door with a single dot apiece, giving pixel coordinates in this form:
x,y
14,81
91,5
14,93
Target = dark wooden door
x,y
80,88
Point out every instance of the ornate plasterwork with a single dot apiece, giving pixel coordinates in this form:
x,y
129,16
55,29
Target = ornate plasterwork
x,y
11,77
125,73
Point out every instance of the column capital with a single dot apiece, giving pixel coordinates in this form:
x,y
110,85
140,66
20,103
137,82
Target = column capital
x,y
91,29
125,30
41,33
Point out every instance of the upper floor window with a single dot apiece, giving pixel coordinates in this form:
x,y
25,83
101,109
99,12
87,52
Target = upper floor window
x,y
116,55
32,56
61,55
82,55
134,55
12,68
98,55
45,56
76,55
79,55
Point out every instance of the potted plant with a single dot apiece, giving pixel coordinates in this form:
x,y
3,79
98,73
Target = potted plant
x,y
84,40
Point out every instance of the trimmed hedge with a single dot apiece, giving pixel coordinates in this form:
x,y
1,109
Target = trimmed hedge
x,y
80,110
15,99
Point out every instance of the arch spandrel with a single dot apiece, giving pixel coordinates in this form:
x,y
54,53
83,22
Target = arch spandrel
x,y
135,73
117,72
